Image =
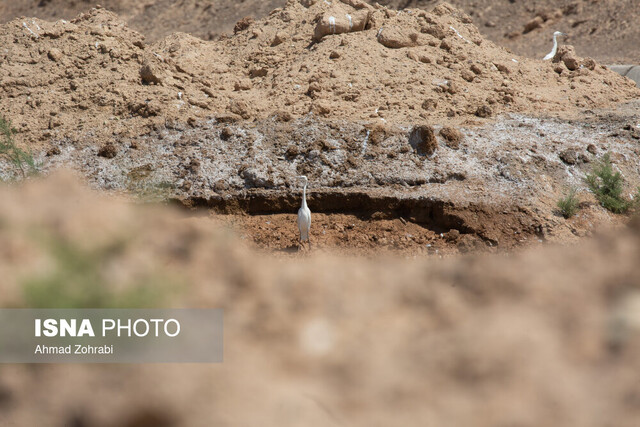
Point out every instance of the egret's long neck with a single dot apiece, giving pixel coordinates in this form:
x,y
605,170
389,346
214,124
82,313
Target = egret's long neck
x,y
555,45
304,196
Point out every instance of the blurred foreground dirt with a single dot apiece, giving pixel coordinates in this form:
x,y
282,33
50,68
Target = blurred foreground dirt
x,y
540,338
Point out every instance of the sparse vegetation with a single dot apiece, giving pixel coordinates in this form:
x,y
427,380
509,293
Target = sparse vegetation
x,y
20,159
144,186
569,204
80,279
607,186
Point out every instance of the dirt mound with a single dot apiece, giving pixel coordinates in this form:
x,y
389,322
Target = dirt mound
x,y
352,95
325,340
604,30
155,19
93,78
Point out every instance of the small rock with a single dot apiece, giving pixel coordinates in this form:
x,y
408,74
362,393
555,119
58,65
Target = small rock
x,y
279,38
571,62
452,88
378,132
334,55
435,30
484,111
452,136
467,75
336,22
243,24
412,55
423,140
589,63
150,74
54,54
397,38
476,69
240,108
53,151
244,84
228,118
256,178
108,151
566,54
313,88
592,149
429,104
283,116
322,108
226,133
569,156
258,72
452,235
292,151
502,68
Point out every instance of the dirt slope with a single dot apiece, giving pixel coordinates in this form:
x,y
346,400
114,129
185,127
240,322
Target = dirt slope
x,y
96,68
155,19
601,29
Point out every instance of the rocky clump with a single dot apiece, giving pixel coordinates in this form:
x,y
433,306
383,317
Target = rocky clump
x,y
423,140
452,136
340,19
566,55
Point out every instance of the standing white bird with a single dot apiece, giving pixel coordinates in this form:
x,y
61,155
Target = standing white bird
x,y
304,214
551,54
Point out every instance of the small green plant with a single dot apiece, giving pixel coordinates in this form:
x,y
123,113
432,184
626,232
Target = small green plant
x,y
569,204
607,186
141,183
20,159
80,279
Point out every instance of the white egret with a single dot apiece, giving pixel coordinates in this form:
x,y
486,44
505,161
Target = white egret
x,y
304,214
551,54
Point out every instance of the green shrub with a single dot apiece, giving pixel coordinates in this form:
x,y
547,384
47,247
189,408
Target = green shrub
x,y
607,186
568,204
20,159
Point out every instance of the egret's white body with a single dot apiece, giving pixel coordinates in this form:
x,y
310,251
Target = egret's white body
x,y
304,214
551,54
